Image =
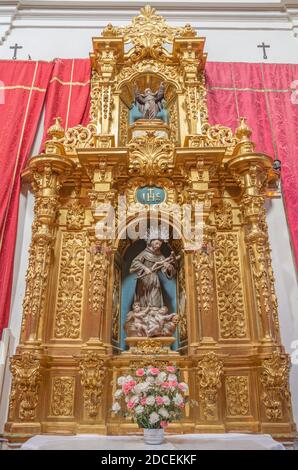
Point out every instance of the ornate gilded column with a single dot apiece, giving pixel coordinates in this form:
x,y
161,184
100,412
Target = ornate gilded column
x,y
250,169
189,50
47,173
99,165
198,167
107,51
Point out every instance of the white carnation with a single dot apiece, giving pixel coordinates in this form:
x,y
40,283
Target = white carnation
x,y
166,400
178,399
135,399
163,412
161,377
139,409
150,380
121,380
118,393
172,378
116,407
153,418
138,388
150,400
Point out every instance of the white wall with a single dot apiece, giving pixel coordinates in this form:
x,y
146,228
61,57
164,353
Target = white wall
x,y
49,29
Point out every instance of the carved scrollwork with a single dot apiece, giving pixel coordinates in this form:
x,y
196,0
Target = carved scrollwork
x,y
98,266
75,215
148,32
150,155
62,401
237,395
275,381
92,371
229,287
209,372
26,372
79,137
70,295
214,136
223,216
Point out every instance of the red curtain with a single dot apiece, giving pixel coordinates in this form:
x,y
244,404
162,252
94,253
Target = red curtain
x,y
68,94
23,86
264,94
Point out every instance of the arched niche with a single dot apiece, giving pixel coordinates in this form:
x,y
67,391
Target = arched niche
x,y
174,290
145,80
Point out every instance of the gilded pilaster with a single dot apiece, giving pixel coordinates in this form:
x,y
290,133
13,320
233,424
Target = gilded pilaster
x,y
250,170
47,172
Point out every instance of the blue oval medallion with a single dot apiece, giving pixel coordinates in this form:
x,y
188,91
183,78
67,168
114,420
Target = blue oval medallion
x,y
150,195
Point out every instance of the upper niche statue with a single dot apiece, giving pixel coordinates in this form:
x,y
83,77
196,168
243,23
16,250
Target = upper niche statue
x,y
149,105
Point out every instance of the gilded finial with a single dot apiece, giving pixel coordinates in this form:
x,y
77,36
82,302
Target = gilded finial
x,y
56,131
243,131
243,135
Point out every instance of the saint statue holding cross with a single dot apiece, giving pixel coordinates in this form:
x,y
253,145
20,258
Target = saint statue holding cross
x,y
146,265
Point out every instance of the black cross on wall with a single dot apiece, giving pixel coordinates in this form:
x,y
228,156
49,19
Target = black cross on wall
x,y
264,46
15,47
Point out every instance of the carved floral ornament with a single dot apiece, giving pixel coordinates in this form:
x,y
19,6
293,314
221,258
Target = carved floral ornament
x,y
148,31
92,371
26,372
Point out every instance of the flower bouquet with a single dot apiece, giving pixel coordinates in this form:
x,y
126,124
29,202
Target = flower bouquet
x,y
153,397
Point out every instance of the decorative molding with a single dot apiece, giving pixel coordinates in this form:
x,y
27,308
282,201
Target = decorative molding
x,y
266,15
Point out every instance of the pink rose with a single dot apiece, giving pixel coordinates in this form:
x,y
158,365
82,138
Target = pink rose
x,y
173,383
159,400
127,387
163,424
154,371
140,372
143,401
165,384
171,369
181,405
130,404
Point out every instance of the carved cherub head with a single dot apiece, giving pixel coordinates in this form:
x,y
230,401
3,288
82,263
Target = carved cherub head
x,y
136,307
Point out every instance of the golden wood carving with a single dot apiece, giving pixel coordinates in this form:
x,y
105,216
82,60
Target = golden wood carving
x,y
209,373
71,346
237,394
92,372
231,310
69,300
151,155
26,373
275,381
62,401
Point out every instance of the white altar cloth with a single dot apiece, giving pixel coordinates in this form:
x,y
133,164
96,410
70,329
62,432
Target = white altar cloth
x,y
228,441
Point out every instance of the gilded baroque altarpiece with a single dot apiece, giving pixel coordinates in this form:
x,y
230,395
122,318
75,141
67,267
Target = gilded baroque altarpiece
x,y
229,348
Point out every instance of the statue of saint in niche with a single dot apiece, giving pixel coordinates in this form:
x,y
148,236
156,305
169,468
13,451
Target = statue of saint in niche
x,y
149,105
149,315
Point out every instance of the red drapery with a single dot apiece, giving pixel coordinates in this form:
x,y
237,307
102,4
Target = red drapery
x,y
68,94
23,86
263,94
